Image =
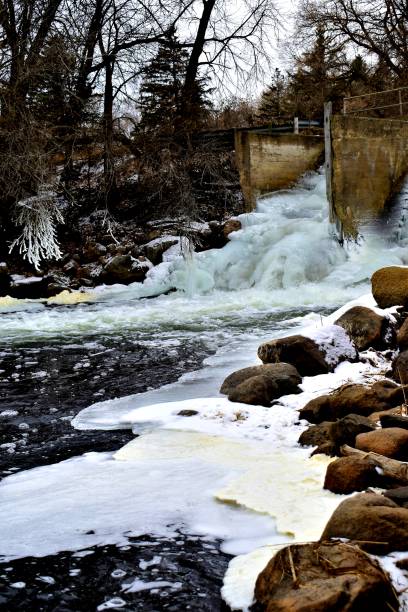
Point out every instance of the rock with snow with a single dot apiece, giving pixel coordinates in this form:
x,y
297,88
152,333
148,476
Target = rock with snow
x,y
402,336
353,399
230,226
93,251
316,351
323,577
28,287
365,327
154,249
376,523
390,286
125,269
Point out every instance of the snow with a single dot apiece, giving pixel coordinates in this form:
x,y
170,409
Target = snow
x,y
138,585
334,342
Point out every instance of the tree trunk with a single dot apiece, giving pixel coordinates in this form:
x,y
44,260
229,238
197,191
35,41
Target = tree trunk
x,y
397,470
109,168
193,62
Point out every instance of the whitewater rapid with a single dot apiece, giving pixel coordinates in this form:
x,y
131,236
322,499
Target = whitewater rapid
x,y
230,471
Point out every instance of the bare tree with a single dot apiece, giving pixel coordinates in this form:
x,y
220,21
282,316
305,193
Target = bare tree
x,y
379,27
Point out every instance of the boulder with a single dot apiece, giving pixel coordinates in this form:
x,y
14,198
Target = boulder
x,y
231,225
400,368
327,448
188,413
285,376
398,496
391,442
258,390
318,351
5,279
352,398
71,267
402,336
390,286
93,251
154,249
345,430
394,420
323,577
125,269
300,351
28,287
376,523
315,435
92,272
349,474
365,327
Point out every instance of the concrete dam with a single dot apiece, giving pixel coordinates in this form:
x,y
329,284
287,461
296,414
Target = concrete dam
x,y
366,161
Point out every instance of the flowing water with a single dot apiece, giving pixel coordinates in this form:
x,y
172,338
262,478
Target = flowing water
x,y
130,358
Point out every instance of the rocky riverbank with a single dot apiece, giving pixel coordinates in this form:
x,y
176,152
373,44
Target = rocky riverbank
x,y
97,253
364,427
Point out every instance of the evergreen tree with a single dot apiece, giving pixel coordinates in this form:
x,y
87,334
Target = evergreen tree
x,y
318,77
272,103
162,89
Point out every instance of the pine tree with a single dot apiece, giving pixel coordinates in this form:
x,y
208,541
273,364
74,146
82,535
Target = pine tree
x,y
271,106
319,76
161,90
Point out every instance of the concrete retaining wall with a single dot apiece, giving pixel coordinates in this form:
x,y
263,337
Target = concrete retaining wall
x,y
369,159
267,162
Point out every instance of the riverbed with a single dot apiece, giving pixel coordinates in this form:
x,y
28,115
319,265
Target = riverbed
x,y
110,497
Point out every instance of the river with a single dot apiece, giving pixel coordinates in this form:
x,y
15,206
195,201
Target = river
x,y
157,517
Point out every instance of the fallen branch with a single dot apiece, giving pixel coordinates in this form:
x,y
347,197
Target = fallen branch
x,y
397,470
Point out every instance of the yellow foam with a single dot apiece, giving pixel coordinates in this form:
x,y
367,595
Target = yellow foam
x,y
71,297
283,484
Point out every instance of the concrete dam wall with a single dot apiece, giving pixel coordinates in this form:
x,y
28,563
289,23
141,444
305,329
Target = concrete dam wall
x,y
366,161
269,161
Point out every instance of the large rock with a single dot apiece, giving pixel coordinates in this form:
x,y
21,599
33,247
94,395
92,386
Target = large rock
x,y
390,286
391,442
284,375
365,327
345,430
400,368
154,249
93,251
349,474
356,399
394,420
323,577
376,523
316,435
257,391
125,269
402,336
298,350
28,287
230,226
398,496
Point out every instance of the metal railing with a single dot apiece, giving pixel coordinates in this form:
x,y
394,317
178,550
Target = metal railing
x,y
390,102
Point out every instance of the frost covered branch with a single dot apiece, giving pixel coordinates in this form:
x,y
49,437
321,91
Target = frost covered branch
x,y
38,215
